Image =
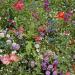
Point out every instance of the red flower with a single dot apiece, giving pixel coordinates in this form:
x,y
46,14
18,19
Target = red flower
x,y
19,5
60,15
37,38
42,29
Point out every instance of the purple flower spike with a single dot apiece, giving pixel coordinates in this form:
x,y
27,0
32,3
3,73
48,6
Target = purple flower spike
x,y
47,73
46,5
46,2
44,66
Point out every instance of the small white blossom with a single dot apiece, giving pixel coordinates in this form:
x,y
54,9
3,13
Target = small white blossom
x,y
37,50
1,50
9,42
37,46
8,36
2,35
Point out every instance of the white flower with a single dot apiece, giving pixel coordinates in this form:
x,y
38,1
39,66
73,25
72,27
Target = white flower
x,y
2,35
8,42
37,50
1,50
13,52
8,36
13,44
37,45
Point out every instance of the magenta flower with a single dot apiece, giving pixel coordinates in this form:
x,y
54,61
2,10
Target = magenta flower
x,y
55,62
47,73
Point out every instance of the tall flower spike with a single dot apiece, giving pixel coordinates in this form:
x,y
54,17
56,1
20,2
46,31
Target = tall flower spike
x,y
46,6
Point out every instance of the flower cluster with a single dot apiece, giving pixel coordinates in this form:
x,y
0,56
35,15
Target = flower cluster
x,y
50,66
7,59
13,47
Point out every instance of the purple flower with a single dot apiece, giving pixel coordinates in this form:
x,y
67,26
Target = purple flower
x,y
44,66
46,2
55,73
67,16
47,73
42,34
61,73
49,67
51,30
46,60
46,5
55,62
15,46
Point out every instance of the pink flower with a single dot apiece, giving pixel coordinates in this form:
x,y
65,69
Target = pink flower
x,y
5,59
19,5
14,57
67,73
21,29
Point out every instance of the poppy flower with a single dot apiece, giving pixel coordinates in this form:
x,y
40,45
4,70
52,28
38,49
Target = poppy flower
x,y
19,5
60,15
